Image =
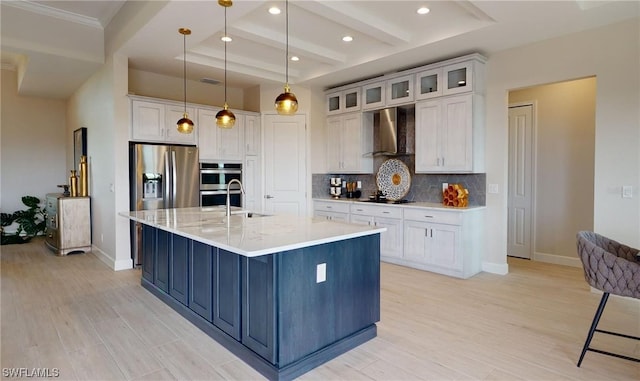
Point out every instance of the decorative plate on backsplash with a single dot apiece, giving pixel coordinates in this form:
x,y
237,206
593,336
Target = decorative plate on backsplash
x,y
393,179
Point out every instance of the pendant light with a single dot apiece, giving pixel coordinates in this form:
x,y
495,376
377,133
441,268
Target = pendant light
x,y
185,125
287,103
224,117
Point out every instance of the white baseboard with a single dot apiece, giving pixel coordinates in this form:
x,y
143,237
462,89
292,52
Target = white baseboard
x,y
495,268
557,259
121,264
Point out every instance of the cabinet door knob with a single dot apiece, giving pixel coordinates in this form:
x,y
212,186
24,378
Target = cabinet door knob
x,y
268,196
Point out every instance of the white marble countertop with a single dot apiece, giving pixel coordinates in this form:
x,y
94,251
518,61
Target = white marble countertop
x,y
249,236
422,205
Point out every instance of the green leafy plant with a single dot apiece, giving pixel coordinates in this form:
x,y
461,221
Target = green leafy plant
x,y
31,222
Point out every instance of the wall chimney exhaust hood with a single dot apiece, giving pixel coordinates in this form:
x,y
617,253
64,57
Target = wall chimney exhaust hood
x,y
393,132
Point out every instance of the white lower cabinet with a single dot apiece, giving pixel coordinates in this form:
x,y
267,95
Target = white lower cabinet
x,y
446,242
332,216
432,244
442,240
331,210
381,216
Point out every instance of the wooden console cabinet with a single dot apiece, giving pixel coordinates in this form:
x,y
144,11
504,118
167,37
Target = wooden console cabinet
x,y
68,223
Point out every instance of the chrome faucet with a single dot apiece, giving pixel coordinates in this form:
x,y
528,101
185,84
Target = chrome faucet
x,y
228,189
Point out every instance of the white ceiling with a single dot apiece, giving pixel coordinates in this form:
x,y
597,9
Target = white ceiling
x,y
57,45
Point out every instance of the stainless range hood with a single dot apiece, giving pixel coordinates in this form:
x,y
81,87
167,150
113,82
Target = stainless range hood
x,y
393,132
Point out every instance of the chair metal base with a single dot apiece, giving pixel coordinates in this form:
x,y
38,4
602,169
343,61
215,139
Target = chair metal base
x,y
594,329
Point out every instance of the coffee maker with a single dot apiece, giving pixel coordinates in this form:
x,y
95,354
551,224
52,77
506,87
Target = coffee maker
x,y
336,187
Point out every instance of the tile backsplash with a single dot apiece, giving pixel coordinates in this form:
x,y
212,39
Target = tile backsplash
x,y
424,187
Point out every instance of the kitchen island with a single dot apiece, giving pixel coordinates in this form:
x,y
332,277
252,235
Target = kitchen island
x,y
283,293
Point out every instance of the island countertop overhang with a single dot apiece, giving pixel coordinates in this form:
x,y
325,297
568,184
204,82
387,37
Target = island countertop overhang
x,y
249,236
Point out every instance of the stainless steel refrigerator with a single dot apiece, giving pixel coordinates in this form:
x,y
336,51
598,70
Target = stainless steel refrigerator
x,y
161,177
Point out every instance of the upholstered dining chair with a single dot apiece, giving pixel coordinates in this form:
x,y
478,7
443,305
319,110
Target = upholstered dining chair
x,y
612,268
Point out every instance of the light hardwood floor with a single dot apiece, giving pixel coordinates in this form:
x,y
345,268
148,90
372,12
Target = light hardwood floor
x,y
75,314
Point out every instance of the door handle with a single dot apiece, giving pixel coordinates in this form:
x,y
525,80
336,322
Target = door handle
x,y
267,196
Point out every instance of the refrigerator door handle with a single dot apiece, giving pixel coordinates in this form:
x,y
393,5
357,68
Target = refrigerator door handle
x,y
167,181
174,180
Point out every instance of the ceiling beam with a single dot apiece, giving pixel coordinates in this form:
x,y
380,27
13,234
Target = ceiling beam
x,y
356,18
257,34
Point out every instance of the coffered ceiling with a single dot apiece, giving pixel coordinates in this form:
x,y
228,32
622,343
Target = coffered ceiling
x,y
57,45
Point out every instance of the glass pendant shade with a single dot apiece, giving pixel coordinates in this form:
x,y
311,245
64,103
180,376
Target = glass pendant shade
x,y
185,125
225,118
286,103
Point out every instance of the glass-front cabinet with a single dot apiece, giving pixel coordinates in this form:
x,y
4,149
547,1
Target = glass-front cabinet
x,y
373,96
429,84
458,78
400,90
343,101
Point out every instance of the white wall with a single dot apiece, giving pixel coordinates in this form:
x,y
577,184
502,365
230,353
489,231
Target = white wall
x,y
610,53
166,87
565,151
32,142
99,104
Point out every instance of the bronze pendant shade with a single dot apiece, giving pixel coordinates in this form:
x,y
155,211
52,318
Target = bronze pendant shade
x,y
185,125
287,103
224,117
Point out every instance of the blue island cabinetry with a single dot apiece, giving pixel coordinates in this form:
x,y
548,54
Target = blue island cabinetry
x,y
273,311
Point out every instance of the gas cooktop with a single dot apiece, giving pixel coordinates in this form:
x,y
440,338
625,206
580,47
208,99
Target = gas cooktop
x,y
385,201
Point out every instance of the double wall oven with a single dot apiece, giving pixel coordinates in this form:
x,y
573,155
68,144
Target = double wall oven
x,y
214,178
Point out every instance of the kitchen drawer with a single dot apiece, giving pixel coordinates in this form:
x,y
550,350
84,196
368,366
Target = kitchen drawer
x,y
435,216
331,206
376,210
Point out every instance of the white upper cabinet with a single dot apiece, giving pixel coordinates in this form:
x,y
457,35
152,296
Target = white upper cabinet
x,y
147,121
173,114
348,139
458,78
252,134
400,90
225,144
157,121
429,84
449,135
373,95
343,101
449,120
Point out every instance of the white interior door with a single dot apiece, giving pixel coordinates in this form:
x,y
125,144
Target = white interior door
x,y
285,164
520,188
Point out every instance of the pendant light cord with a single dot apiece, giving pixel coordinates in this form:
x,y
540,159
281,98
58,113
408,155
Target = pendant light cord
x,y
287,40
184,69
225,56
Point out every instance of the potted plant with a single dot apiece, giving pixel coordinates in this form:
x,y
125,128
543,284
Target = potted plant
x,y
31,222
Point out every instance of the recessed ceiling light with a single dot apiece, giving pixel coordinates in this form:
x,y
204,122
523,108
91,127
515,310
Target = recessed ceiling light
x,y
423,10
274,10
295,58
347,38
226,38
